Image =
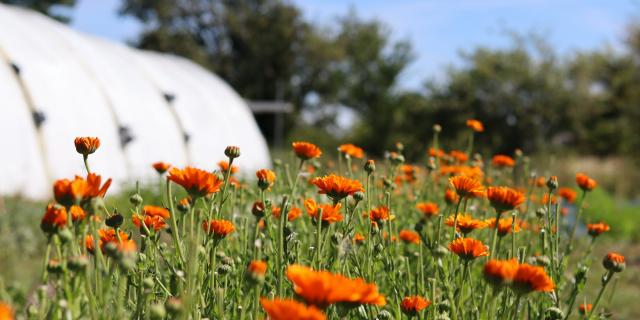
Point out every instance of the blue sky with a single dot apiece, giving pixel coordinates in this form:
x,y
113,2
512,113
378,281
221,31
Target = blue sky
x,y
438,29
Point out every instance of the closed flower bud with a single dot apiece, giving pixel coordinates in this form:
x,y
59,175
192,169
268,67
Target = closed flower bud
x,y
443,316
358,196
378,248
384,315
541,212
78,263
148,283
65,235
437,128
419,226
174,306
135,199
232,152
258,209
553,313
542,261
114,221
227,260
444,306
552,183
55,266
86,145
614,262
224,269
157,311
370,166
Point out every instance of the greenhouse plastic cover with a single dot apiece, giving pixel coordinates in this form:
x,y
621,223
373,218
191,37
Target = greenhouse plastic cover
x,y
145,107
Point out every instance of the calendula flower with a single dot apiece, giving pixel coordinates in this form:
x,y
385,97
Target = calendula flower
x,y
323,288
466,223
55,218
504,198
529,278
584,308
475,125
330,214
266,178
155,223
218,228
351,150
6,313
501,160
428,209
77,213
413,304
500,272
567,194
468,248
504,226
161,167
596,229
286,309
585,183
337,187
466,186
224,167
541,182
409,236
95,188
436,153
86,145
459,156
106,236
294,213
155,211
614,262
450,196
257,267
196,182
67,192
306,150
379,214
358,238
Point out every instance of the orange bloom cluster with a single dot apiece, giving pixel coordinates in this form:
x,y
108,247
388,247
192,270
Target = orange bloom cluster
x,y
294,213
337,187
330,214
379,214
219,228
224,167
504,225
161,167
196,182
428,209
504,198
475,125
501,161
567,194
107,236
55,217
306,150
466,223
351,150
413,304
468,248
153,217
409,236
323,288
86,145
466,186
67,192
596,229
585,183
281,309
524,277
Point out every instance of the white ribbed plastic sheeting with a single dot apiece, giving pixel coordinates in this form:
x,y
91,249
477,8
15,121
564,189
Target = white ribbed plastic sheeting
x,y
86,86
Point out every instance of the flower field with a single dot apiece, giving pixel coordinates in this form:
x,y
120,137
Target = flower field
x,y
462,236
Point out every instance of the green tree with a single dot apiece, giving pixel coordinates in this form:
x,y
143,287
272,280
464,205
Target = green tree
x,y
53,8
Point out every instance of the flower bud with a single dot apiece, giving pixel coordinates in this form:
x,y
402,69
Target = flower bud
x,y
148,283
542,261
157,311
614,262
553,313
114,221
552,183
232,152
444,306
370,166
78,263
55,266
384,315
135,199
437,128
358,196
224,269
541,212
173,306
378,248
184,205
258,209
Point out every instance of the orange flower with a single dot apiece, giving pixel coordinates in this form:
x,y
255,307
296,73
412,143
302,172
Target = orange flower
x,y
436,153
429,209
499,272
584,308
541,182
95,188
596,229
77,214
379,214
468,248
530,278
413,304
501,160
459,156
55,217
219,228
224,167
66,191
322,288
475,125
466,223
86,145
545,199
161,167
257,267
585,183
409,236
466,186
330,214
106,236
281,309
337,187
567,194
352,150
266,178
358,238
306,150
154,211
294,213
152,222
450,196
614,262
196,182
127,247
504,225
6,313
504,198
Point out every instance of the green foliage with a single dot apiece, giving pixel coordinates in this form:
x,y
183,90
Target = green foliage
x,y
48,7
622,217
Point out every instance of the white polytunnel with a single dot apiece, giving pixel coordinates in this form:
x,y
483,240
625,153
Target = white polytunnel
x,y
57,84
